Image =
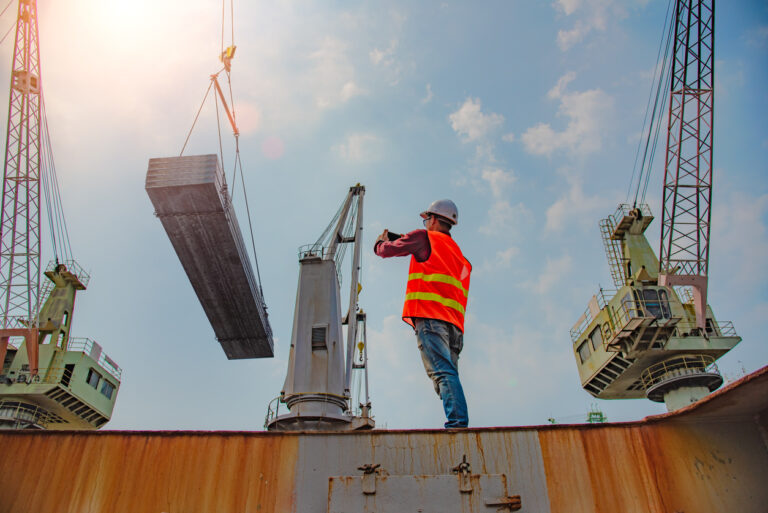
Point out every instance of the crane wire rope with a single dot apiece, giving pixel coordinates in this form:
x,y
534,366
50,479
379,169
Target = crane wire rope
x,y
197,116
6,7
660,75
237,162
12,26
57,220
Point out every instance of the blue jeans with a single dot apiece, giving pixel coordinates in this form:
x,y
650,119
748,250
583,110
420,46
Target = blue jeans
x,y
440,343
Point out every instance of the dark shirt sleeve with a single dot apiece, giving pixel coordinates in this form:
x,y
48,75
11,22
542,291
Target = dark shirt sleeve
x,y
414,243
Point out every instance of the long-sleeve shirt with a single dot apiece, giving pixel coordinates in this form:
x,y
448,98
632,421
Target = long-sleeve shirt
x,y
414,243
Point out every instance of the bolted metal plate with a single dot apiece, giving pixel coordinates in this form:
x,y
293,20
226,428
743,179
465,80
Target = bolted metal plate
x,y
422,494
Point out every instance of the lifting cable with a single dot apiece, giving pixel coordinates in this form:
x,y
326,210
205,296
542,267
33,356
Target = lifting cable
x,y
11,27
660,80
226,56
57,221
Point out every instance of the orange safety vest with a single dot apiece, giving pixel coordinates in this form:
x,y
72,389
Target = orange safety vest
x,y
438,287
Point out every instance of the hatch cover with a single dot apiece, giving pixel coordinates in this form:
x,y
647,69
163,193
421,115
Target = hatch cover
x,y
381,493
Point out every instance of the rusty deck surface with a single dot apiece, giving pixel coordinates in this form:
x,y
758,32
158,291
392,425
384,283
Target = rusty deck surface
x,y
709,457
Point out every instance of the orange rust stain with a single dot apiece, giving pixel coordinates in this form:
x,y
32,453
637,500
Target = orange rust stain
x,y
652,468
146,472
720,467
598,471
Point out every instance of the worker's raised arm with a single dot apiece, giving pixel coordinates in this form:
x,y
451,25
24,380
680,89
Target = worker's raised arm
x,y
414,243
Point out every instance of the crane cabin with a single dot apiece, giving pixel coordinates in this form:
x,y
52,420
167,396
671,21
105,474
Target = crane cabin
x,y
642,340
74,384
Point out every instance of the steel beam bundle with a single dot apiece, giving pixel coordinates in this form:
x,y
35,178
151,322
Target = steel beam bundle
x,y
191,199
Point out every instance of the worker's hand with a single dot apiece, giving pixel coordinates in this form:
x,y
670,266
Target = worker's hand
x,y
384,237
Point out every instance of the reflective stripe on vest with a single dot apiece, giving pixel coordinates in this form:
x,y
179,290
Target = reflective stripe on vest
x,y
438,287
442,278
431,296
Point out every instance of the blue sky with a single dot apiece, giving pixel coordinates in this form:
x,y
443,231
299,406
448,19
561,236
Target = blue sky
x,y
526,114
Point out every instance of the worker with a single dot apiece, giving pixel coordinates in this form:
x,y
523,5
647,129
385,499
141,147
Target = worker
x,y
435,300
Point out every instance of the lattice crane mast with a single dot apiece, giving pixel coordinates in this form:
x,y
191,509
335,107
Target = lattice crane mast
x,y
685,220
50,380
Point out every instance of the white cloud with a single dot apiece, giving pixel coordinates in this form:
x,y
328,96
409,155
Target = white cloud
x,y
350,90
554,271
567,6
359,148
587,113
739,240
510,137
757,37
470,122
557,91
592,15
506,219
501,260
332,77
429,96
574,206
385,59
567,38
497,180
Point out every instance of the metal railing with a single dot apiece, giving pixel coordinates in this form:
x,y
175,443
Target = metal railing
x,y
312,250
631,306
624,209
86,345
73,267
714,328
273,412
602,297
685,365
23,415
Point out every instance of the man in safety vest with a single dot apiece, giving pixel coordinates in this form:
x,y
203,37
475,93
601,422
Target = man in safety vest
x,y
435,300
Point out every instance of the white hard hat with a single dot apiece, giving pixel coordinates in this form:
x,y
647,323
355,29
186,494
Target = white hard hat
x,y
443,208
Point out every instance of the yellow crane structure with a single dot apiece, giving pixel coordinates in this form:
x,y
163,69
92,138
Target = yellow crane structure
x,y
643,340
48,380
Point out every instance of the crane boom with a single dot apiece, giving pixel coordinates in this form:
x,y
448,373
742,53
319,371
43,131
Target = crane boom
x,y
20,213
685,222
20,210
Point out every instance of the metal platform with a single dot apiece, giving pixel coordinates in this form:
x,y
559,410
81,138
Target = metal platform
x,y
190,198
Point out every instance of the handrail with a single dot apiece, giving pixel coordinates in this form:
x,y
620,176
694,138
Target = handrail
x,y
17,411
73,267
85,345
603,297
678,366
271,414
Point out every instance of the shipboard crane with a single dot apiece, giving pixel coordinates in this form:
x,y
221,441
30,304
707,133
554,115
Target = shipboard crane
x,y
51,380
642,340
318,381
